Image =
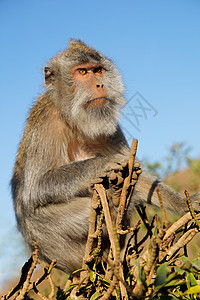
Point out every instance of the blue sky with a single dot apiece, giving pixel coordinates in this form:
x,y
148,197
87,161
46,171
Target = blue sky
x,y
155,44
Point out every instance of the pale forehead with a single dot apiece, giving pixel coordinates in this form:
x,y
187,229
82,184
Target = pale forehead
x,y
86,66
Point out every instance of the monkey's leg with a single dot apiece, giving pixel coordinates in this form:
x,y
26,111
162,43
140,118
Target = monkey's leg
x,y
145,191
61,232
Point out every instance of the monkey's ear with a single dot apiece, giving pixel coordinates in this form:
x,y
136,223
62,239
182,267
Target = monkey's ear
x,y
48,74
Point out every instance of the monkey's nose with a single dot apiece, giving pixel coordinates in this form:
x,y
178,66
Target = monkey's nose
x,y
100,86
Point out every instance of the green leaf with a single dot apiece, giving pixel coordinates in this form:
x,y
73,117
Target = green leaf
x,y
167,297
175,282
141,276
193,290
93,276
79,270
72,285
180,271
161,275
192,279
95,296
183,258
196,263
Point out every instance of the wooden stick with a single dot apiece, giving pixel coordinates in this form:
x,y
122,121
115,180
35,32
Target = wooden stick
x,y
102,193
91,231
123,203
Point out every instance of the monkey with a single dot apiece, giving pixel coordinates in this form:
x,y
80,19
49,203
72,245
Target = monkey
x,y
72,136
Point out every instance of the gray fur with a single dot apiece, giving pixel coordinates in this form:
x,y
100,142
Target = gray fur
x,y
64,148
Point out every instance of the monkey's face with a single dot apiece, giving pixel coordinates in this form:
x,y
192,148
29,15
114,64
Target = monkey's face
x,y
89,77
98,97
87,88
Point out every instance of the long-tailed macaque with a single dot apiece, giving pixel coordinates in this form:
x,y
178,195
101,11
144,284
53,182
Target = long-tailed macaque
x,y
71,138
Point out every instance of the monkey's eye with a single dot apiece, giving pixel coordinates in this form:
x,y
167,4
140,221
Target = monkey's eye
x,y
98,70
83,71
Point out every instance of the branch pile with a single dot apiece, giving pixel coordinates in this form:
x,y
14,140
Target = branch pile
x,y
126,264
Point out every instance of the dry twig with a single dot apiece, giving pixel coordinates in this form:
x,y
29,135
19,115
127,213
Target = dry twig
x,y
123,199
105,277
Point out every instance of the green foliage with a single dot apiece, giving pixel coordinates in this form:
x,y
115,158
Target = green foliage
x,y
154,169
195,166
160,270
153,273
177,157
176,282
154,264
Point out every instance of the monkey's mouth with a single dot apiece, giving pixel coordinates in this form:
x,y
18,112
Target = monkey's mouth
x,y
97,101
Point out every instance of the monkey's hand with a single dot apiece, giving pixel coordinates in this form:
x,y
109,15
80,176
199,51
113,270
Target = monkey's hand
x,y
116,180
114,172
113,180
116,164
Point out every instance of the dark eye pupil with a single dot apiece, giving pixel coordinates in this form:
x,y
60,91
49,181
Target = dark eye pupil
x,y
83,71
98,70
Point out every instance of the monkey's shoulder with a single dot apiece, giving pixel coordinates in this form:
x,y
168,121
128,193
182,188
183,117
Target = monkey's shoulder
x,y
40,111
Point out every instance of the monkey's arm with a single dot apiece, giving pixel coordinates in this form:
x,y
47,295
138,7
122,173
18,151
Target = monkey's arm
x,y
146,191
62,184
